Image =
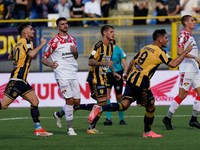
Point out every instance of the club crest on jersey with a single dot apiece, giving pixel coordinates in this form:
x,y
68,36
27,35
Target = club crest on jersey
x,y
63,91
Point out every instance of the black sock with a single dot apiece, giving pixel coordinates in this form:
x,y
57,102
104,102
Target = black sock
x,y
35,113
84,106
148,120
92,126
113,107
193,119
58,114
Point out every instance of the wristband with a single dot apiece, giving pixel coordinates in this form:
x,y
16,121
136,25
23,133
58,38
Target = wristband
x,y
193,57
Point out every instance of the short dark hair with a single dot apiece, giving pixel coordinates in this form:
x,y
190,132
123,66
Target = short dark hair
x,y
105,28
60,19
22,26
184,19
159,32
157,1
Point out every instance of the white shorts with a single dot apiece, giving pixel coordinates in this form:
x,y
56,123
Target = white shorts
x,y
188,79
69,88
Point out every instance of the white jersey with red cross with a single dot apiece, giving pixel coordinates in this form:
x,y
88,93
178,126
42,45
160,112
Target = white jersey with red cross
x,y
59,50
188,64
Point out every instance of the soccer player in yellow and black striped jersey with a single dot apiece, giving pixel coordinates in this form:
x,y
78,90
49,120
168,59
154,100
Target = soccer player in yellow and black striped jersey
x,y
139,73
21,55
100,62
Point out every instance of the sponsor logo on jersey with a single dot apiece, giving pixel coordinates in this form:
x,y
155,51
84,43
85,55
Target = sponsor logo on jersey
x,y
93,52
64,54
100,87
60,48
28,46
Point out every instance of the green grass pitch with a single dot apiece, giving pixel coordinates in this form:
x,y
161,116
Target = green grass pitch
x,y
17,131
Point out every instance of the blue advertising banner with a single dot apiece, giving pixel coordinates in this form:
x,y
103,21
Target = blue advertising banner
x,y
8,39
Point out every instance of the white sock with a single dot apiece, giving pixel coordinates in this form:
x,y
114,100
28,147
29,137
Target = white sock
x,y
68,109
173,107
196,108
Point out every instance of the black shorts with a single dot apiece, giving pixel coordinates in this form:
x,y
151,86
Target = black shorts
x,y
143,96
118,85
98,90
16,88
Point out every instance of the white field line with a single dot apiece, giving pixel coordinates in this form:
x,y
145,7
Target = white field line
x,y
136,116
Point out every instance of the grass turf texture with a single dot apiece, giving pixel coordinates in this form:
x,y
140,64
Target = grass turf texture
x,y
17,131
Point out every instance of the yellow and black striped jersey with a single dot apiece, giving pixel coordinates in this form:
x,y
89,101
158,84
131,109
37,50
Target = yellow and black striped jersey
x,y
21,61
99,52
146,62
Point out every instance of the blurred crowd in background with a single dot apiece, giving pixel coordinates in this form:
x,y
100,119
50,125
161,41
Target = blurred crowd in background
x,y
41,9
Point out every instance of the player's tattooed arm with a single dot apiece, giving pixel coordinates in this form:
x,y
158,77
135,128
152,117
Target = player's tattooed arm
x,y
93,62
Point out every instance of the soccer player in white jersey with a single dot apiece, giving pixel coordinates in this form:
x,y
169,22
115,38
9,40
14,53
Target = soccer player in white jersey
x,y
63,51
189,73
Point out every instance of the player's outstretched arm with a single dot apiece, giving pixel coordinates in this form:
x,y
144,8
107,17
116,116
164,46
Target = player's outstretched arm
x,y
94,62
32,53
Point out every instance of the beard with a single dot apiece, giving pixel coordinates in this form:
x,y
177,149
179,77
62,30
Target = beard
x,y
110,39
64,31
164,46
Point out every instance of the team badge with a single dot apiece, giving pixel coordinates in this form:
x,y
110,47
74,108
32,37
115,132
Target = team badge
x,y
101,91
63,91
152,101
186,84
14,94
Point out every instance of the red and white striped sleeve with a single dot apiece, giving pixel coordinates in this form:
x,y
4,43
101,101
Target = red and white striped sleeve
x,y
71,39
51,46
183,38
